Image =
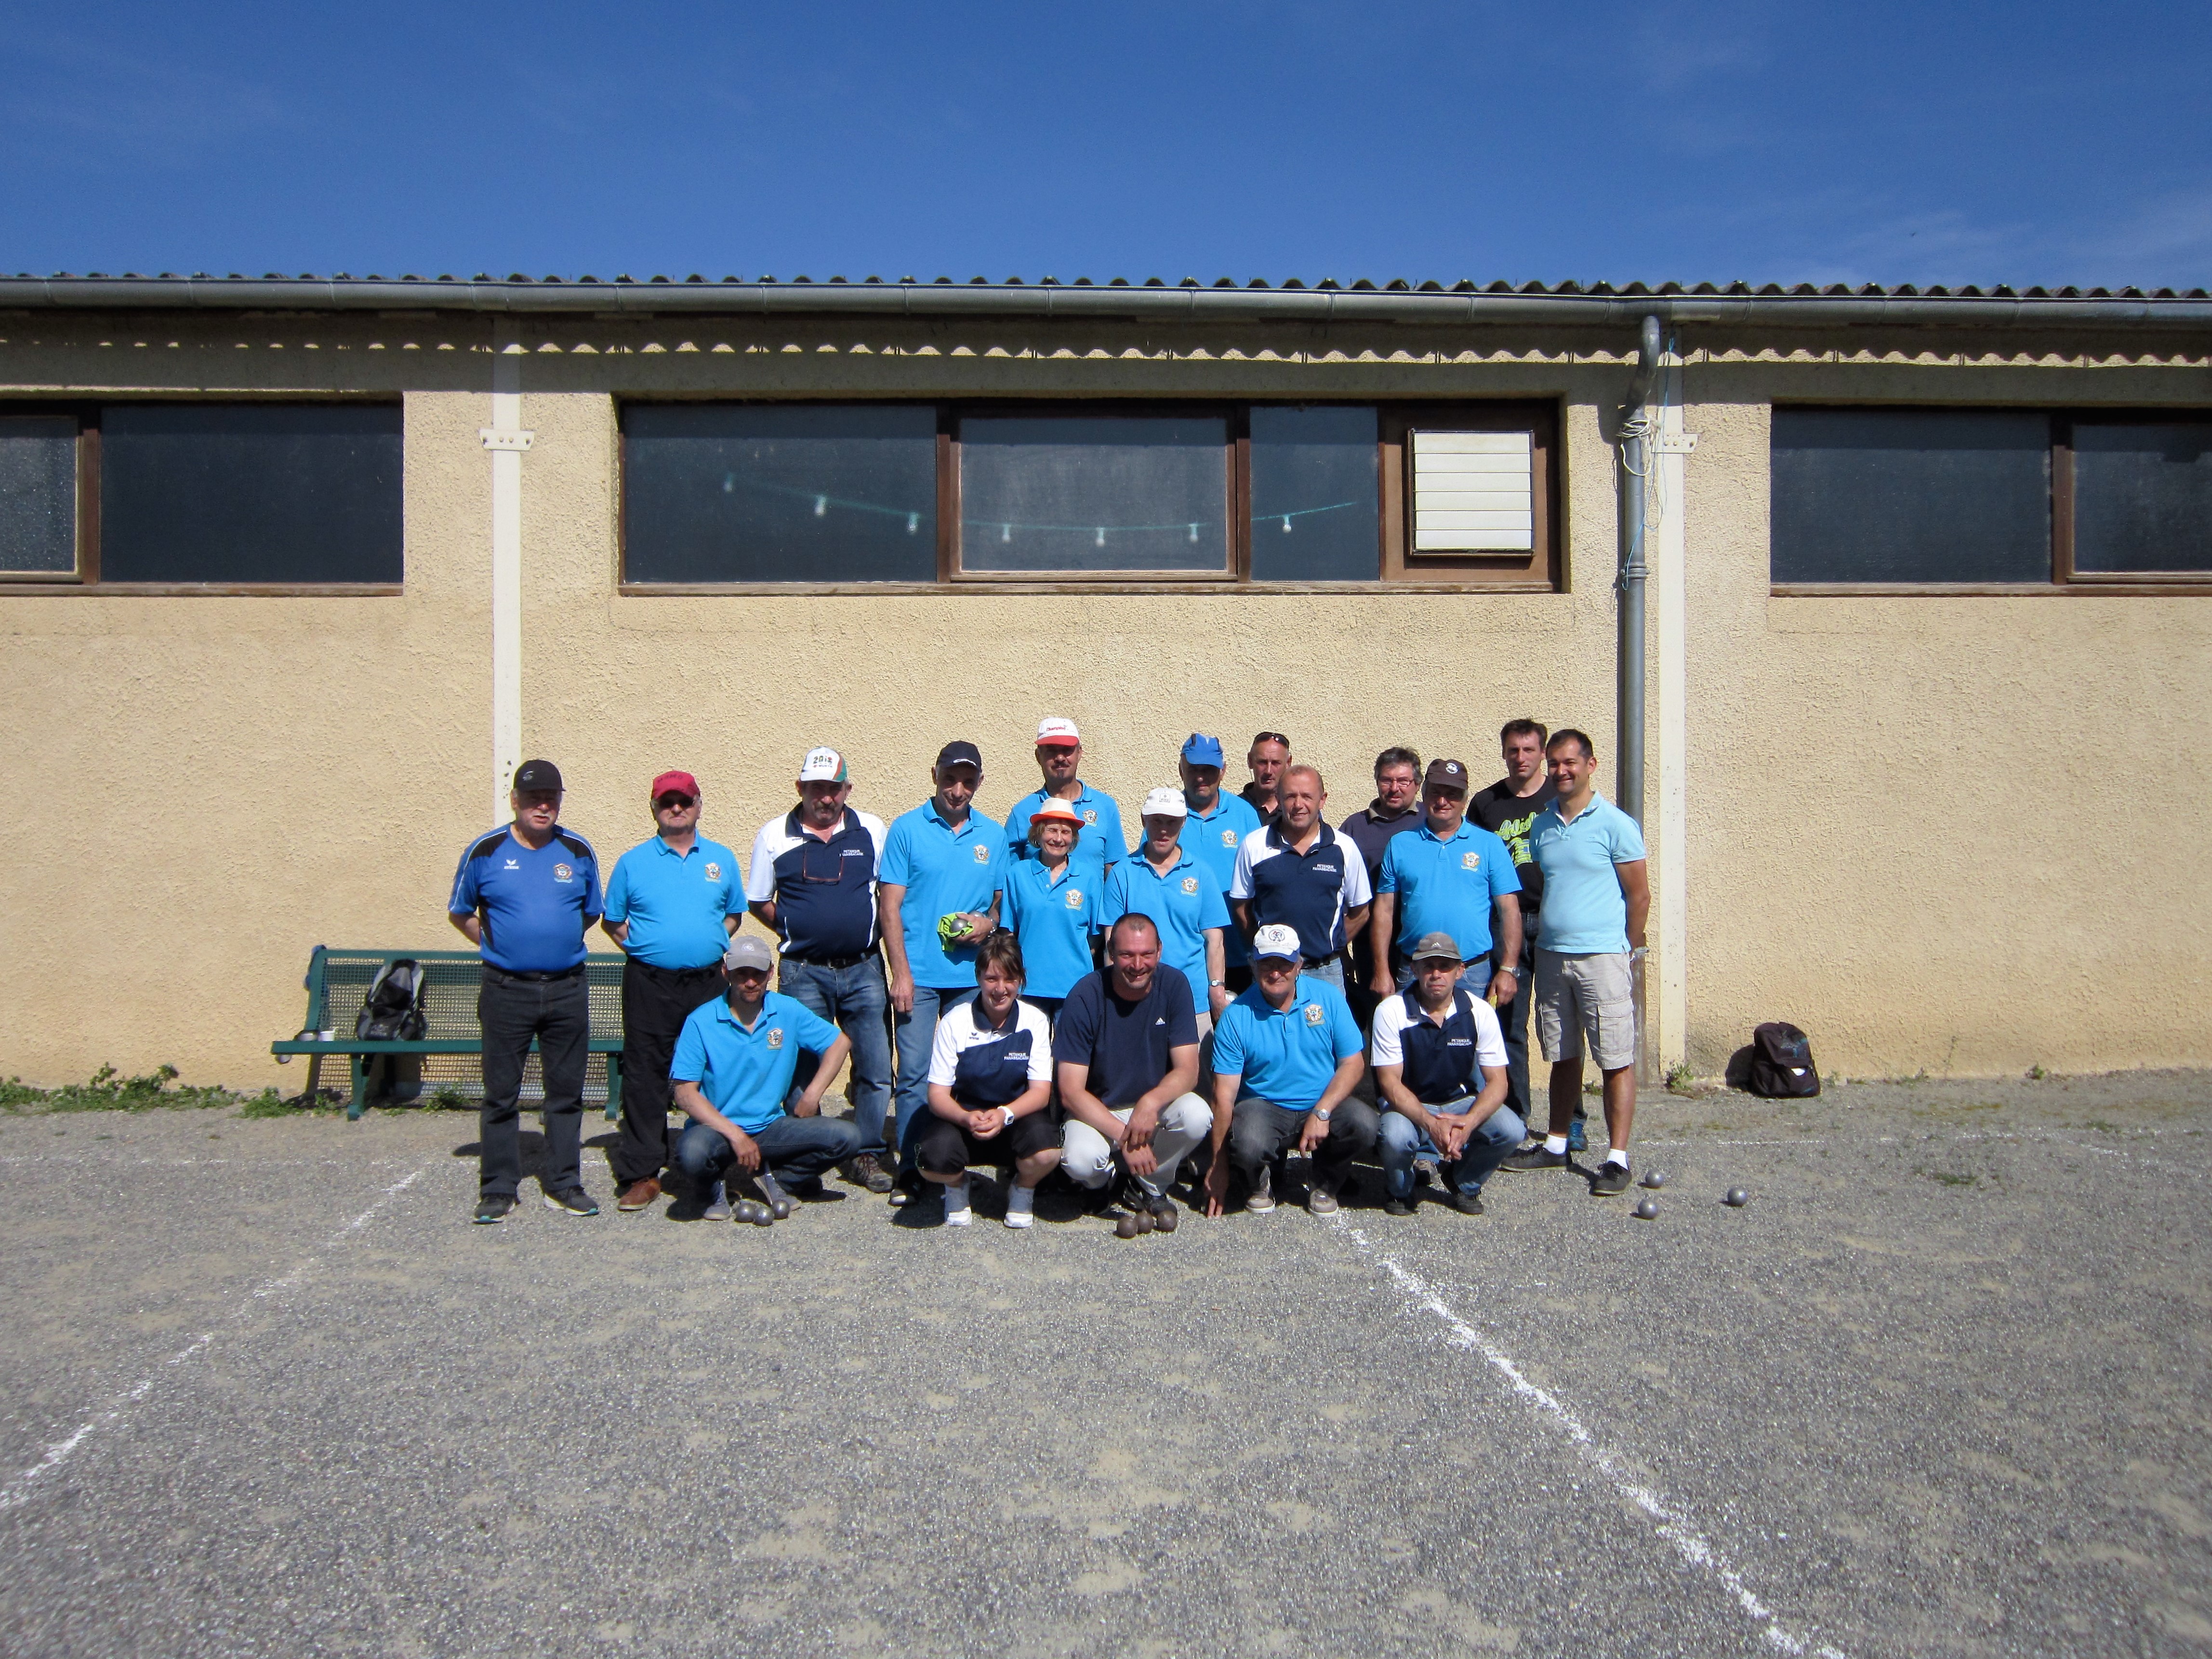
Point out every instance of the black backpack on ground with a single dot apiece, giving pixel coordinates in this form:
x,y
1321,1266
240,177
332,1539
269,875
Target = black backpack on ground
x,y
1777,1065
393,1010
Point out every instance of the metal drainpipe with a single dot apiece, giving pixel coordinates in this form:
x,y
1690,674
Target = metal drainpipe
x,y
1634,468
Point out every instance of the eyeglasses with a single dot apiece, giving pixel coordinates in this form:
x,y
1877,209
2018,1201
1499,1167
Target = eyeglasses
x,y
674,803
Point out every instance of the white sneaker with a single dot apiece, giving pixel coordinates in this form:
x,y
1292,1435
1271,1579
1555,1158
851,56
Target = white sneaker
x,y
1024,1217
957,1212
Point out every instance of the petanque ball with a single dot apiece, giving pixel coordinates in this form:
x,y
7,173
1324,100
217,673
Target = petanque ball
x,y
1144,1221
1125,1227
1645,1211
1167,1219
1737,1198
1655,1179
763,1216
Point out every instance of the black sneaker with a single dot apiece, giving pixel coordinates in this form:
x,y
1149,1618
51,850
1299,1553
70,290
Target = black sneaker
x,y
1535,1158
1610,1181
1396,1206
574,1201
1468,1203
906,1190
489,1209
809,1191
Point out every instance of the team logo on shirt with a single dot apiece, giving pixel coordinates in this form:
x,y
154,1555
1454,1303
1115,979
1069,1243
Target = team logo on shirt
x,y
775,1038
1470,860
512,864
1229,838
1313,1015
1091,814
1075,898
982,854
562,873
714,872
1190,885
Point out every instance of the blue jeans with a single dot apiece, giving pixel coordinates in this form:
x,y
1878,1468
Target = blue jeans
x,y
1497,1135
856,1000
792,1148
917,1031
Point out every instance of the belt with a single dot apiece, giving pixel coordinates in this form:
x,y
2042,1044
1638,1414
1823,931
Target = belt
x,y
1318,962
675,973
536,979
830,962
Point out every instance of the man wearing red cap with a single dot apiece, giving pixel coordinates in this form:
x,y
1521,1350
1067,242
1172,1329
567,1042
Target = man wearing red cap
x,y
673,903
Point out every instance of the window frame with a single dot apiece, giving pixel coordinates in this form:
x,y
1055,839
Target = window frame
x,y
1394,569
86,576
2064,579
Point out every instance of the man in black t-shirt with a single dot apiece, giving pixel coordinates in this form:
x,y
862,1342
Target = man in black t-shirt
x,y
1125,1051
1395,810
1508,809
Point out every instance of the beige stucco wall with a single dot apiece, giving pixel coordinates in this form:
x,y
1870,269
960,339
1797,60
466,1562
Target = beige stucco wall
x,y
1891,801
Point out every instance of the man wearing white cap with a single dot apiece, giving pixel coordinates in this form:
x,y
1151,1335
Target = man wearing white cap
x,y
1165,882
1099,845
813,882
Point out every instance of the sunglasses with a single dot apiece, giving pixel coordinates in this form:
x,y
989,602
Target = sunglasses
x,y
672,801
1271,737
750,975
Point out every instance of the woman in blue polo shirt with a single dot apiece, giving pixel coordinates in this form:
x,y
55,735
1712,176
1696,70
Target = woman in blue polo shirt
x,y
990,1089
1052,907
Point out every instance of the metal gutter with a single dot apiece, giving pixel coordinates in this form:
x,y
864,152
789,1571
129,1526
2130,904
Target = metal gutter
x,y
1631,472
1161,304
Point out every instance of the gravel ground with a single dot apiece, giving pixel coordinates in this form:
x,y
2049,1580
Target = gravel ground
x,y
1940,1387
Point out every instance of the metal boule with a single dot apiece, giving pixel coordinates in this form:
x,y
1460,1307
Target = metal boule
x,y
1737,1198
1655,1179
1646,1210
1166,1218
1144,1221
1125,1227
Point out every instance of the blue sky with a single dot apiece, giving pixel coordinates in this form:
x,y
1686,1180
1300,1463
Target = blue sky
x,y
2029,143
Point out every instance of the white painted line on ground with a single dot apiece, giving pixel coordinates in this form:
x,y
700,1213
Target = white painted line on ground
x,y
1695,1549
192,1163
24,1487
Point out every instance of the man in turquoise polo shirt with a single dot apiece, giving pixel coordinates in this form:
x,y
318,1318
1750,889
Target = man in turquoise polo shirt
x,y
733,1069
1597,896
939,887
1285,1056
1165,882
673,903
1448,876
1214,830
1098,845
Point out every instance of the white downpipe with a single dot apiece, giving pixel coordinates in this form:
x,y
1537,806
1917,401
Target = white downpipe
x,y
1671,580
506,563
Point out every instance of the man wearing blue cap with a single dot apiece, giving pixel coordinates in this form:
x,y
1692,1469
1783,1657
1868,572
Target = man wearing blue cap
x,y
1215,828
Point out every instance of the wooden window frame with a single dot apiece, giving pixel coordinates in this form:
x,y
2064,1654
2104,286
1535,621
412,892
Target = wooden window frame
x,y
1542,571
2065,579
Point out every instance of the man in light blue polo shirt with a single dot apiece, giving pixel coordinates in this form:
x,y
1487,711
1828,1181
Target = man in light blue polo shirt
x,y
1285,1056
1215,829
1448,876
733,1069
939,889
672,902
1165,882
1597,896
1098,845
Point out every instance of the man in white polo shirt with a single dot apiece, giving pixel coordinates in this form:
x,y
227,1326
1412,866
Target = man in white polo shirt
x,y
1301,874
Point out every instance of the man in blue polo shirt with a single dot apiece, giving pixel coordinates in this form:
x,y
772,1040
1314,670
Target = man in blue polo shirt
x,y
673,903
1301,874
1448,876
1099,845
1597,896
1164,882
735,1069
524,895
938,891
1212,834
813,881
1285,1056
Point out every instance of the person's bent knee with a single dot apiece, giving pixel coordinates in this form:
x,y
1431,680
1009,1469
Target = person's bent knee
x,y
702,1155
1399,1136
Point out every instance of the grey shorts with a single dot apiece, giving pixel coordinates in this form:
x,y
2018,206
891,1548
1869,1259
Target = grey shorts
x,y
1586,1000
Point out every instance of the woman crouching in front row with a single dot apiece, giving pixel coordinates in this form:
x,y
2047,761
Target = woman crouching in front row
x,y
990,1089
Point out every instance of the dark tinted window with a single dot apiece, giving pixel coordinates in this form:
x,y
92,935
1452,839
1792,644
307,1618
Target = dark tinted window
x,y
2143,496
731,493
250,493
1104,492
1911,496
38,494
1315,505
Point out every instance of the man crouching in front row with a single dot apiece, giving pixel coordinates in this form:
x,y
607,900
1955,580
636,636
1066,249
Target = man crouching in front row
x,y
732,1071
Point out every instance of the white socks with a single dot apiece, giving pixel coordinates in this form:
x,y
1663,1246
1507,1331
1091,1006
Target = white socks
x,y
1556,1146
956,1203
1617,1155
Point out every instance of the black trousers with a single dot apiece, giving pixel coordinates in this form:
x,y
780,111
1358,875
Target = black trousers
x,y
558,1013
1260,1131
945,1147
655,1003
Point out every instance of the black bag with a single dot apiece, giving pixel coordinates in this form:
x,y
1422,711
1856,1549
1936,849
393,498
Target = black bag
x,y
1780,1063
393,1010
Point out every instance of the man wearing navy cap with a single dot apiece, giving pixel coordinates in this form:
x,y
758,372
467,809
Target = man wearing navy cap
x,y
1098,844
1440,1068
1213,830
524,895
672,902
1449,876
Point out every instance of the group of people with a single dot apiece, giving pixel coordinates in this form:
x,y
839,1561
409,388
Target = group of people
x,y
1241,984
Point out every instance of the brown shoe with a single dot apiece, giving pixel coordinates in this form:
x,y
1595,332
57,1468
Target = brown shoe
x,y
639,1194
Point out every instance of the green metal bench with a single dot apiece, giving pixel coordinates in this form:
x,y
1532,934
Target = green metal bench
x,y
451,1056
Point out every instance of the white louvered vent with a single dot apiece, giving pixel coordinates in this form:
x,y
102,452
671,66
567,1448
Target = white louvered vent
x,y
1474,493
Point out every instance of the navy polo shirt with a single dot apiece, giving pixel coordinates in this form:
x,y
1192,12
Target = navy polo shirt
x,y
986,1064
825,891
1052,920
1098,843
675,902
1212,839
1308,891
1125,1044
746,1075
1287,1056
1440,1061
535,902
1448,886
945,871
1183,904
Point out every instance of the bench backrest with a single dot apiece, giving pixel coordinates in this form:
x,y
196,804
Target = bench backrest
x,y
338,983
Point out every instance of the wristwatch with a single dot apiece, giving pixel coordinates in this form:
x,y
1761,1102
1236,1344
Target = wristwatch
x,y
1323,1116
1216,984
1516,972
1008,1111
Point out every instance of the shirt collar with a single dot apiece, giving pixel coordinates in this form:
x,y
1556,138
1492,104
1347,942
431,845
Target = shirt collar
x,y
1375,816
929,807
1277,838
1181,861
1460,834
1596,800
698,844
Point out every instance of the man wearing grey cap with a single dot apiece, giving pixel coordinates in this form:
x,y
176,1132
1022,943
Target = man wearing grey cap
x,y
734,1066
1439,1062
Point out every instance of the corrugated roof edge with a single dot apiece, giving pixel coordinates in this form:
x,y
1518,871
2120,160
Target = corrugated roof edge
x,y
1464,304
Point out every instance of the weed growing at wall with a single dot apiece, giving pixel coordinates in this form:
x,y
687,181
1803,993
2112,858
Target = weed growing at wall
x,y
109,1092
